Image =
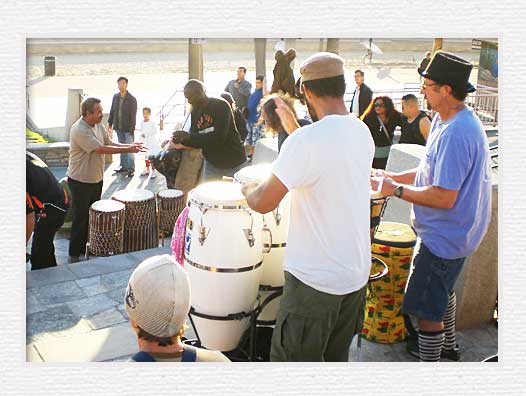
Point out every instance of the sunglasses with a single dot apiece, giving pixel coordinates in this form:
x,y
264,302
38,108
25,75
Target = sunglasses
x,y
379,105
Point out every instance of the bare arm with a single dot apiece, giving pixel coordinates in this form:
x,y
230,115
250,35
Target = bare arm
x,y
266,196
425,126
123,148
431,196
405,177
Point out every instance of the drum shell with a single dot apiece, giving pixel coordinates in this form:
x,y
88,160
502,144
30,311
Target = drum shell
x,y
106,232
168,209
223,293
140,226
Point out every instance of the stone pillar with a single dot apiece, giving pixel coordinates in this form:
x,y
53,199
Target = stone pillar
x,y
333,45
73,110
321,46
260,49
401,158
195,60
477,284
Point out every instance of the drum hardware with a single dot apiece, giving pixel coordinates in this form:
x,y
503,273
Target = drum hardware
x,y
277,215
249,234
189,224
203,231
267,246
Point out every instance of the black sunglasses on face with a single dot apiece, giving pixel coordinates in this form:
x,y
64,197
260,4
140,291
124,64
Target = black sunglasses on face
x,y
379,105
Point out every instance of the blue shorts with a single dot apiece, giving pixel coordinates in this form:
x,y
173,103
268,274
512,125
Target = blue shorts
x,y
430,283
255,132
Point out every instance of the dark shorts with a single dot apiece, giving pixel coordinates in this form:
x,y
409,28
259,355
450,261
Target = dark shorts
x,y
430,283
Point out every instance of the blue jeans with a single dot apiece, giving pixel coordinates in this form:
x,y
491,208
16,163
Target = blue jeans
x,y
430,283
127,159
213,173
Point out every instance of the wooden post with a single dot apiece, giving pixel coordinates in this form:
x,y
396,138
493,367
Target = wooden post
x,y
72,110
333,45
437,45
260,49
195,60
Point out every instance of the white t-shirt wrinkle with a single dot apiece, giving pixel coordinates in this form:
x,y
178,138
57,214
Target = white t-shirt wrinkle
x,y
326,167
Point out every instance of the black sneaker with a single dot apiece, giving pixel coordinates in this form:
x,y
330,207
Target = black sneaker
x,y
120,170
130,173
449,354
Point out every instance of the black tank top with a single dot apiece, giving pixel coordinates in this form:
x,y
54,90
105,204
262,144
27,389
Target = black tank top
x,y
411,131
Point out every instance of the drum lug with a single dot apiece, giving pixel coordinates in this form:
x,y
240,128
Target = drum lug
x,y
250,236
189,224
203,234
277,215
267,250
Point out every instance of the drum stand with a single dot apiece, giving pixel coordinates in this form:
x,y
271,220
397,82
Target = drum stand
x,y
239,354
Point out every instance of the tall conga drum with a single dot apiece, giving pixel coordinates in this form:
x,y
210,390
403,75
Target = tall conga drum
x,y
277,222
170,203
106,228
140,225
394,244
223,258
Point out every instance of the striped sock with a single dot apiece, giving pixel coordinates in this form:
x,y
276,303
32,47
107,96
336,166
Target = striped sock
x,y
449,323
430,345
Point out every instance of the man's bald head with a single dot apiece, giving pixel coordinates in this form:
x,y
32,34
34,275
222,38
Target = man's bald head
x,y
194,91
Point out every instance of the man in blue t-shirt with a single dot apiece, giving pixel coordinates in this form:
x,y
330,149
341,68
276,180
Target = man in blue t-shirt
x,y
451,193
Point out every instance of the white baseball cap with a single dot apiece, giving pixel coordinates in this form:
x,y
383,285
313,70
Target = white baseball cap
x,y
158,296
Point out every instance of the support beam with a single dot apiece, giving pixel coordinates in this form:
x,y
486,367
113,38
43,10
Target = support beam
x,y
321,47
260,49
437,45
195,60
72,110
333,45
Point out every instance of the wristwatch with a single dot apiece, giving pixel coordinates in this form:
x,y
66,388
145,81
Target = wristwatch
x,y
398,192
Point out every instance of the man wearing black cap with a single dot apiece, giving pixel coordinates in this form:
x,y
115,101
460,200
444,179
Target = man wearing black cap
x,y
451,194
326,166
214,130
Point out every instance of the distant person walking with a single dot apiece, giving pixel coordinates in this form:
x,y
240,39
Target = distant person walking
x,y
424,62
240,89
362,95
123,114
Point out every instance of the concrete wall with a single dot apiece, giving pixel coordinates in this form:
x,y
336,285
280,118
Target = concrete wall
x,y
53,154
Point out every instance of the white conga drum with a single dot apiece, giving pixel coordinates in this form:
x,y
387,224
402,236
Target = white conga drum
x,y
106,228
277,222
223,258
170,203
140,226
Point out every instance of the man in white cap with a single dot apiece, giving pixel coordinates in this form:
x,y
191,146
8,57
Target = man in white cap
x,y
326,167
157,301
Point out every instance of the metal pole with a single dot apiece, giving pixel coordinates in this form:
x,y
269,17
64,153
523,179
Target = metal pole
x,y
260,49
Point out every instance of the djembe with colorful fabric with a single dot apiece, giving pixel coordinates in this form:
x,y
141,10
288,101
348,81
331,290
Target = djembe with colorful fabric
x,y
394,244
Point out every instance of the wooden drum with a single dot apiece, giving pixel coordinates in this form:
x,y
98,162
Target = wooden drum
x,y
106,227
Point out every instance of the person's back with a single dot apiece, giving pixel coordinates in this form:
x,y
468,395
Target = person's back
x,y
194,355
335,154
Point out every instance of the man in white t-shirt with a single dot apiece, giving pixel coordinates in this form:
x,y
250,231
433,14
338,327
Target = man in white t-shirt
x,y
326,167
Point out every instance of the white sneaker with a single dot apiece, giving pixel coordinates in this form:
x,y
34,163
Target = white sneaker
x,y
153,175
145,172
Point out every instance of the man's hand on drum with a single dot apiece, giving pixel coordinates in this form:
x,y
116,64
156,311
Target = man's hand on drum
x,y
286,116
179,137
248,187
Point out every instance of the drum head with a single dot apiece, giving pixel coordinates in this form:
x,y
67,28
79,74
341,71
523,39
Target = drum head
x,y
218,193
132,195
170,193
395,234
107,205
253,173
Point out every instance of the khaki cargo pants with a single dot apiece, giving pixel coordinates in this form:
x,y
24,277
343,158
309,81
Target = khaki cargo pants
x,y
313,326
